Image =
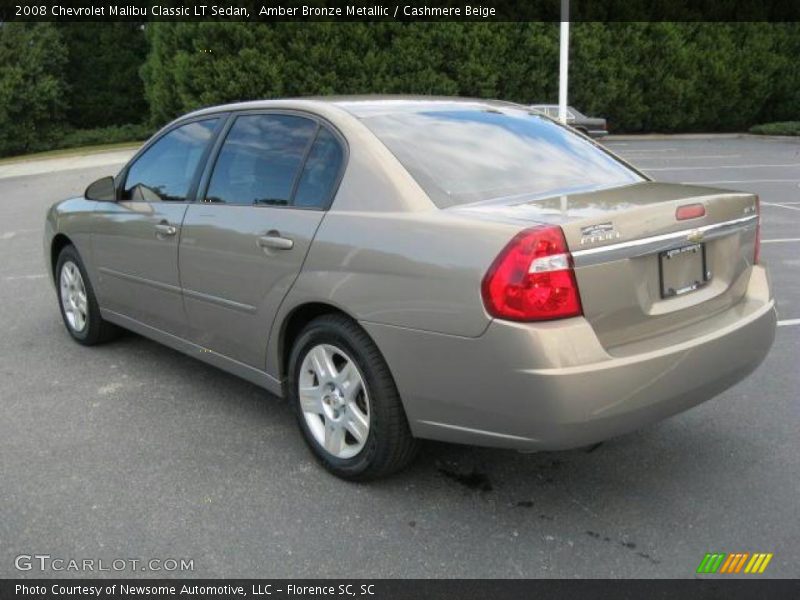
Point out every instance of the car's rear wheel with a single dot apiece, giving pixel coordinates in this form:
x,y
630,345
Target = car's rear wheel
x,y
77,301
346,402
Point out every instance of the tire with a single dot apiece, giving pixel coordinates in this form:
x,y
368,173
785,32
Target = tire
x,y
370,396
80,312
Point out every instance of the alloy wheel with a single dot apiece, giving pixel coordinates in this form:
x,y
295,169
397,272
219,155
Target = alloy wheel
x,y
334,400
73,296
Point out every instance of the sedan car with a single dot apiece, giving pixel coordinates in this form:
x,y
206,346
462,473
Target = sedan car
x,y
402,268
595,127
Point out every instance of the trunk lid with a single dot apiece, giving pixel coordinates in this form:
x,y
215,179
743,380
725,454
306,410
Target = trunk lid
x,y
642,272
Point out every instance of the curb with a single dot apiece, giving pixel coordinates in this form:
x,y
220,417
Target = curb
x,y
678,136
67,154
643,137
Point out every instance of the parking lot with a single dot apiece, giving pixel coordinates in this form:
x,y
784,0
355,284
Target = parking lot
x,y
132,450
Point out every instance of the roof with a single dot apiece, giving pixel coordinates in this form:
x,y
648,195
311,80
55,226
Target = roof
x,y
548,106
369,105
363,106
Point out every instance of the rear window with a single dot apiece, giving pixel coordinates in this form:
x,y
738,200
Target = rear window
x,y
463,156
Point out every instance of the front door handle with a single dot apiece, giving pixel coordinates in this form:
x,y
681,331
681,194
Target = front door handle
x,y
274,241
166,229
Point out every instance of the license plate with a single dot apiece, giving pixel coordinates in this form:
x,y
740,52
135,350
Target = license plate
x,y
682,270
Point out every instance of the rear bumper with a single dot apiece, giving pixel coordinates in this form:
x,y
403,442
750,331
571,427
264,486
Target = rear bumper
x,y
553,386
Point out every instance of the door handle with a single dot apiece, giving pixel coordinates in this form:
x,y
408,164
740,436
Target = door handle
x,y
274,241
166,229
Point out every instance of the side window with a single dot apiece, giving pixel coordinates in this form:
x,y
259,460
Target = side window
x,y
260,159
165,171
321,170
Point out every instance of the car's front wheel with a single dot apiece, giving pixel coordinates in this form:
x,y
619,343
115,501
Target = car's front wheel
x,y
77,301
346,402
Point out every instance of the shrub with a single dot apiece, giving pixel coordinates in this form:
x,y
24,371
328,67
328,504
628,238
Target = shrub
x,y
780,128
32,85
75,138
103,62
652,76
64,138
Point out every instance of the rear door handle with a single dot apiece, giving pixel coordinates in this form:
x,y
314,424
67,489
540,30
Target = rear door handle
x,y
274,241
166,229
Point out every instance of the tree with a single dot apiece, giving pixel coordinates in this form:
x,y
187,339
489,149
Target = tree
x,y
649,76
32,86
103,72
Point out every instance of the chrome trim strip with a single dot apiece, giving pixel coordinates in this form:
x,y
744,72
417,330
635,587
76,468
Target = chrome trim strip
x,y
505,436
164,287
659,243
224,302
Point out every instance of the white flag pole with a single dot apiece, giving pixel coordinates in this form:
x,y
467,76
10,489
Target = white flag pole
x,y
563,67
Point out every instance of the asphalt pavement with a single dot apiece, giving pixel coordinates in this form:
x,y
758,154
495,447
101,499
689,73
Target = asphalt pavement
x,y
134,451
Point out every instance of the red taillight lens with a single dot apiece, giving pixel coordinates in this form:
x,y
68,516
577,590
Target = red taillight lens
x,y
532,278
757,252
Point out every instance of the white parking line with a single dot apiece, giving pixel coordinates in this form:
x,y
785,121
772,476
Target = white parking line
x,y
780,241
688,157
18,277
643,151
787,322
7,235
723,167
786,206
744,181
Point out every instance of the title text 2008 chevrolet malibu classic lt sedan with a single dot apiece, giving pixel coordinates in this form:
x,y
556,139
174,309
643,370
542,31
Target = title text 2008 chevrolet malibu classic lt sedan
x,y
405,268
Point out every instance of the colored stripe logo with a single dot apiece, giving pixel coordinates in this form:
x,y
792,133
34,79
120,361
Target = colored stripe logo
x,y
735,562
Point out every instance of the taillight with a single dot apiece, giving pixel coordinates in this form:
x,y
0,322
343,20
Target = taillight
x,y
532,279
757,252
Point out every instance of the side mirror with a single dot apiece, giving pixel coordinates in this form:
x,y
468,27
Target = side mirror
x,y
102,190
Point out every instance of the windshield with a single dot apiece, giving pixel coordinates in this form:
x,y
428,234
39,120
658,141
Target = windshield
x,y
462,156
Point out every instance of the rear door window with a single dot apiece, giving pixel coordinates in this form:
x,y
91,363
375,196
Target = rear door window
x,y
260,160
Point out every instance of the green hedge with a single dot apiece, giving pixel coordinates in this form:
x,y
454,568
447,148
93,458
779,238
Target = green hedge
x,y
58,79
32,87
78,138
58,82
782,128
75,138
641,76
103,62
